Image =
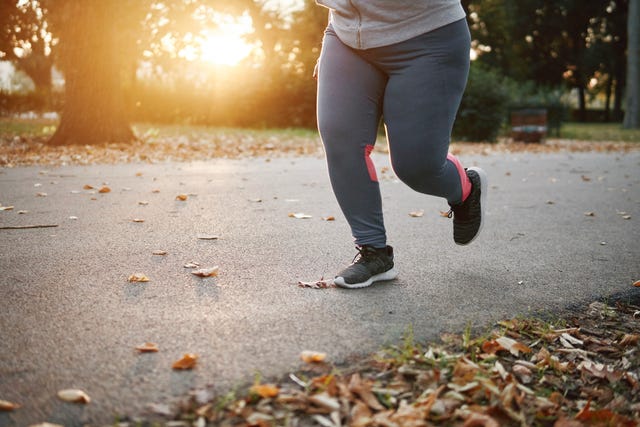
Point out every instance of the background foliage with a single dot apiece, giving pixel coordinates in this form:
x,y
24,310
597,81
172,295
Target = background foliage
x,y
529,53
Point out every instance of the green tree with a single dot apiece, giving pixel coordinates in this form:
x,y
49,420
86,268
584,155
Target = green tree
x,y
550,41
632,115
26,42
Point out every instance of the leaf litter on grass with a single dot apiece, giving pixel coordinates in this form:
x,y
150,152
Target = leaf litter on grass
x,y
216,143
582,370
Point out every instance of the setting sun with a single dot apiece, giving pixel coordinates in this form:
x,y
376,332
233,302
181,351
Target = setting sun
x,y
224,49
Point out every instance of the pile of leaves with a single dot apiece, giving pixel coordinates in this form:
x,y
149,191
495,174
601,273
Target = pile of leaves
x,y
582,370
154,147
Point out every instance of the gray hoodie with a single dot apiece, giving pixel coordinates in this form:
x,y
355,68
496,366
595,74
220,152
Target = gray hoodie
x,y
364,24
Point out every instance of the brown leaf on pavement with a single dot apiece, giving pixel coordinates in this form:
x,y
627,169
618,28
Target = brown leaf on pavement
x,y
299,215
318,284
313,356
74,396
188,361
181,197
206,272
104,189
208,237
138,277
8,406
416,214
147,347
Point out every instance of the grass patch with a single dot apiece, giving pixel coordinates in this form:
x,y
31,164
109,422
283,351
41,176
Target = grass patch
x,y
28,128
609,132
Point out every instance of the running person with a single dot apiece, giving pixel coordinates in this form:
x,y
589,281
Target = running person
x,y
405,61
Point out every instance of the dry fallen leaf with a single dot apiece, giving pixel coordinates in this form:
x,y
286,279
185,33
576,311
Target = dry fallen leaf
x,y
104,189
309,356
589,214
491,347
74,395
188,361
6,208
208,236
138,277
191,265
416,214
181,197
143,203
318,284
88,187
160,409
480,420
45,424
206,272
159,252
328,218
444,214
325,401
513,346
636,283
8,406
137,220
299,215
147,347
265,390
629,340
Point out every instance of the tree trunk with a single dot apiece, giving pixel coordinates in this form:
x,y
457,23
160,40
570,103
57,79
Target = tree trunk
x,y
94,110
632,113
582,104
607,102
39,67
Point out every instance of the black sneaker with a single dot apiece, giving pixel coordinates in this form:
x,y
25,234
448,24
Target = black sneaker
x,y
468,217
370,265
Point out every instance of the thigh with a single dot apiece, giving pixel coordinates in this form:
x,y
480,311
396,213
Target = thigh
x,y
423,94
350,95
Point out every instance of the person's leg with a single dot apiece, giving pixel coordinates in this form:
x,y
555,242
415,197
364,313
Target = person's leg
x,y
426,83
427,77
350,92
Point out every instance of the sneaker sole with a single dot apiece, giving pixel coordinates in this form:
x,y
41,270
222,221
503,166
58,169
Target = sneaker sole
x,y
484,186
387,275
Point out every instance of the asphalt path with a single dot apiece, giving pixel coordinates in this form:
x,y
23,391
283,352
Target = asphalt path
x,y
556,234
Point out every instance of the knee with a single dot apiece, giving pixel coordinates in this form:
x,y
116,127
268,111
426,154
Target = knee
x,y
417,171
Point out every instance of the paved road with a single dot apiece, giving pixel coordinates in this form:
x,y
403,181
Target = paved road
x,y
70,319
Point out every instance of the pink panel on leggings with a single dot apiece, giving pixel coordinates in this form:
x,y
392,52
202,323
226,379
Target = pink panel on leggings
x,y
464,179
370,167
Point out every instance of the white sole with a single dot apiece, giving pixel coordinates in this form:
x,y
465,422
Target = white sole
x,y
484,186
387,275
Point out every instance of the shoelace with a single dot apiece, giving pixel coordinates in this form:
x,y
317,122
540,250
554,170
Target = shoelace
x,y
362,255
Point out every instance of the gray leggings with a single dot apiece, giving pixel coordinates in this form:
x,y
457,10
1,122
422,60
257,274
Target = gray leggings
x,y
416,86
